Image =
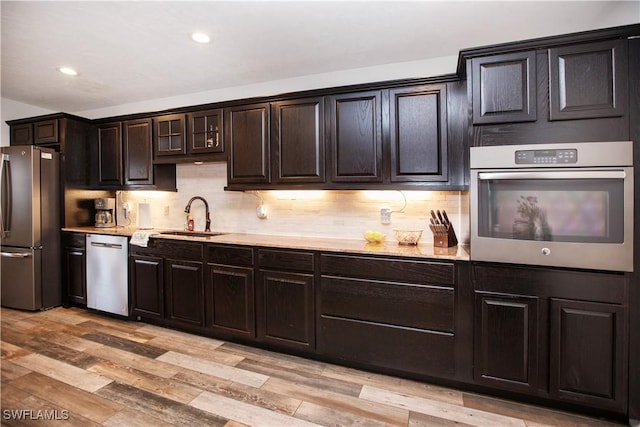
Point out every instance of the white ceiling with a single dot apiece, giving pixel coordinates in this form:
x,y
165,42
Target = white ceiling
x,y
136,51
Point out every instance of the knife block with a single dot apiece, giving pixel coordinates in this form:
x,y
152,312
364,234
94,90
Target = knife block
x,y
445,238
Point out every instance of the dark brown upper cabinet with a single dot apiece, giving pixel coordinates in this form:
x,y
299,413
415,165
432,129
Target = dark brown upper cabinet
x,y
124,157
110,154
38,133
355,135
169,137
136,140
418,133
504,88
46,132
588,80
247,135
204,133
297,137
22,134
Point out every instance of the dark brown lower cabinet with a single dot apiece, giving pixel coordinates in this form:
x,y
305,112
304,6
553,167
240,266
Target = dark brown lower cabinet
x,y
147,286
553,333
284,299
587,359
185,291
74,267
395,314
507,341
230,306
167,282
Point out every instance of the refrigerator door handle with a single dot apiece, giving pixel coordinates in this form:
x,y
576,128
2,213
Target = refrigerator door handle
x,y
16,254
5,191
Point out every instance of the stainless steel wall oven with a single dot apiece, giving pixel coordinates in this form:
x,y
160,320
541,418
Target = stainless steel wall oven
x,y
564,205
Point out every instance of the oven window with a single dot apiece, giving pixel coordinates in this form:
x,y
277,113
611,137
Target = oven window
x,y
562,210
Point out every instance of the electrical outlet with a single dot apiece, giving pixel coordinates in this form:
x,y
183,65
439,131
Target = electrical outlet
x,y
166,210
126,210
385,216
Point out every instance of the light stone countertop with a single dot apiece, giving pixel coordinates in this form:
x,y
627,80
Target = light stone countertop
x,y
389,247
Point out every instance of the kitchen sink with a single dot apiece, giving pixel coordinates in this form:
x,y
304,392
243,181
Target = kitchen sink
x,y
193,233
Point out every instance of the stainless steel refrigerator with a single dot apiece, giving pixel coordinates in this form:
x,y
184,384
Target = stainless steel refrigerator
x,y
30,218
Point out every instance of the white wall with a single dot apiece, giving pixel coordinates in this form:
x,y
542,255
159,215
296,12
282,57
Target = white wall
x,y
403,70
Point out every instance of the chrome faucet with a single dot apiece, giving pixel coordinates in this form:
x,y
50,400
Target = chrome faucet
x,y
187,210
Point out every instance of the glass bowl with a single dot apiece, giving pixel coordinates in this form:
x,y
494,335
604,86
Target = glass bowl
x,y
407,237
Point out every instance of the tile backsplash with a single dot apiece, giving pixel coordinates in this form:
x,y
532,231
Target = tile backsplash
x,y
325,213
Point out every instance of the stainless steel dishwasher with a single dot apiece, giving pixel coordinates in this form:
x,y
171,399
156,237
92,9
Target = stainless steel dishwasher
x,y
107,273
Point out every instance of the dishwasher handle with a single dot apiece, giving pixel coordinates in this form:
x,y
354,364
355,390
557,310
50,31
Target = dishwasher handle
x,y
107,245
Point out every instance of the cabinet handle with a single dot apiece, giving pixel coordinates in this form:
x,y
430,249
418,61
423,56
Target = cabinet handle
x,y
16,255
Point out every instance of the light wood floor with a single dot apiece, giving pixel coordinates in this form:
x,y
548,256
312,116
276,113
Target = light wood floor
x,y
86,369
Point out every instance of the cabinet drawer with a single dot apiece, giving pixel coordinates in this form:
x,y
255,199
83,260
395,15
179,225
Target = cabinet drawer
x,y
402,349
74,240
400,304
230,255
285,260
169,248
397,270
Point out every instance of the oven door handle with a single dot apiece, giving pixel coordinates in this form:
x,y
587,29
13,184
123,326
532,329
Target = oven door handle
x,y
613,174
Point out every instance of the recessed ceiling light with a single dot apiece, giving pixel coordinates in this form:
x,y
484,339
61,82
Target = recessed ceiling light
x,y
200,38
68,71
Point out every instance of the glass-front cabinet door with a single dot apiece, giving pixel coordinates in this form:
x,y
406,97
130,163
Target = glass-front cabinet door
x,y
169,135
205,132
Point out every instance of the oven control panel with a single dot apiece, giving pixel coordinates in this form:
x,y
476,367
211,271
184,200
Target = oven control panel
x,y
546,157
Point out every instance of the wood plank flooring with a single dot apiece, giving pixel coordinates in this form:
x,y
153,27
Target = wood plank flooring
x,y
85,369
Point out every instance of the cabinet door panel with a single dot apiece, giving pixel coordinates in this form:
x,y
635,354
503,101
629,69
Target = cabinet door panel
x,y
506,349
298,138
286,309
587,353
247,136
138,152
110,154
185,292
75,275
147,286
169,135
45,132
588,81
504,88
22,134
418,129
230,300
205,132
356,137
